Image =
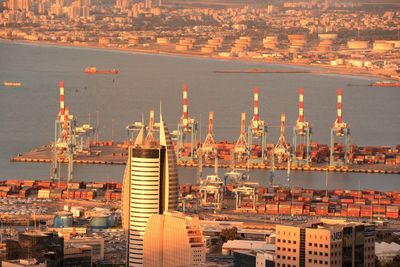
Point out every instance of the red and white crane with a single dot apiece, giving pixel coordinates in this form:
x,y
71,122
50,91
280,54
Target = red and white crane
x,y
257,130
339,124
187,129
281,149
341,130
185,115
209,147
240,151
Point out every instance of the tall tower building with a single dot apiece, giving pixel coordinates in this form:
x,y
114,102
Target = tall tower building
x,y
150,186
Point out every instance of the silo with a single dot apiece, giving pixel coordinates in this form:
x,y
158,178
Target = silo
x,y
100,221
63,219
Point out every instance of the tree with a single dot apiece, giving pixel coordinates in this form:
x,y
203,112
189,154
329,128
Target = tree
x,y
228,234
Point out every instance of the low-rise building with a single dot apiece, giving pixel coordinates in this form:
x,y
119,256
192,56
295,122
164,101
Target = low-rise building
x,y
325,243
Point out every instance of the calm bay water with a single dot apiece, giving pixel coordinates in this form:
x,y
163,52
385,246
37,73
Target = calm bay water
x,y
27,113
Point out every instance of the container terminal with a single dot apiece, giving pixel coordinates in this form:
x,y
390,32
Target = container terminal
x,y
89,213
231,195
75,144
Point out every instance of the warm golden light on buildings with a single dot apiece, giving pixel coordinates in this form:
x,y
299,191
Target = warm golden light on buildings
x,y
173,239
150,187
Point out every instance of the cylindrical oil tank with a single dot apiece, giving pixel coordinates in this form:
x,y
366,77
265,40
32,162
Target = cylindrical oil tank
x,y
133,41
383,46
162,40
237,49
181,47
99,221
352,44
63,219
327,36
207,49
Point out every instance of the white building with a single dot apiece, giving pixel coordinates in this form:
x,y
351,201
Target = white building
x,y
150,186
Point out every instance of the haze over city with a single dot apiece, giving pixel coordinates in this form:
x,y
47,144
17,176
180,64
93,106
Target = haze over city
x,y
199,133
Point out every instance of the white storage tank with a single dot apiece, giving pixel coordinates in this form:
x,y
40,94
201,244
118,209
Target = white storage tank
x,y
353,44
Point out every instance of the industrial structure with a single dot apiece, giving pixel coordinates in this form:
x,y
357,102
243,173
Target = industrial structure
x,y
281,149
257,130
135,129
187,132
301,137
212,190
69,139
246,196
74,145
209,147
240,152
341,130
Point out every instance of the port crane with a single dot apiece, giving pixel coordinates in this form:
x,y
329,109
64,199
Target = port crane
x,y
64,139
281,149
257,130
187,129
139,127
246,196
341,131
240,151
69,139
209,147
301,137
212,190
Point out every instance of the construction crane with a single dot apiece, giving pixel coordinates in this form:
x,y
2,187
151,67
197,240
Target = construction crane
x,y
257,130
187,129
64,139
240,151
341,130
209,148
301,137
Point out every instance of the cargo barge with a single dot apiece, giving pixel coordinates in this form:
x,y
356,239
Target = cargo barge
x,y
385,84
263,71
12,84
94,70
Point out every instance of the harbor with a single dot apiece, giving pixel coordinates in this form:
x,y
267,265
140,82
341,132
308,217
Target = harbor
x,y
86,93
111,153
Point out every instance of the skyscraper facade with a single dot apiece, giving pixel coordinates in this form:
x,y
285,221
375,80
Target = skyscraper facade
x,y
150,187
173,239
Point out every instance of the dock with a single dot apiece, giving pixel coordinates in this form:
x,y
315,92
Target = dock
x,y
117,154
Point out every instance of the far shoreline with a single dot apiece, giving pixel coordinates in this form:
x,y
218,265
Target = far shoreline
x,y
314,68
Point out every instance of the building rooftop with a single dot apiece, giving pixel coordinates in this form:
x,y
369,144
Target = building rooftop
x,y
248,245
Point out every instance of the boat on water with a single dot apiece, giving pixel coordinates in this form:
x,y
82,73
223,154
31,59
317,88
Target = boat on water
x,y
12,84
385,84
260,71
94,70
